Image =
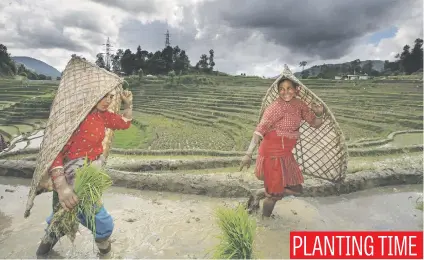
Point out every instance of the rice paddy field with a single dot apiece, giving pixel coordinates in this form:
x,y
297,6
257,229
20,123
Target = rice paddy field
x,y
24,105
213,117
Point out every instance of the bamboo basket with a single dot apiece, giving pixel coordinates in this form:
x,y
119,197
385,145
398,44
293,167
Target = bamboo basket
x,y
321,153
81,87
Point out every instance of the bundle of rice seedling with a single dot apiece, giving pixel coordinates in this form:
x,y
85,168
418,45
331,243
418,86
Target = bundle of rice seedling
x,y
238,231
90,184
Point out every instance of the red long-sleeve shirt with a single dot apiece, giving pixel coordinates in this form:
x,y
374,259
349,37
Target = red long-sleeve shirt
x,y
285,118
87,139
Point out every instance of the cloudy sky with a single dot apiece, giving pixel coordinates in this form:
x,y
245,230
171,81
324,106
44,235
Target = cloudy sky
x,y
252,36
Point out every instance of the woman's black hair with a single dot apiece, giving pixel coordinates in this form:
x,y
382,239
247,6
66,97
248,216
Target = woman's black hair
x,y
284,79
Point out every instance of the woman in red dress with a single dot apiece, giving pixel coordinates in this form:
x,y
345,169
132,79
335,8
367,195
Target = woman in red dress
x,y
86,142
279,131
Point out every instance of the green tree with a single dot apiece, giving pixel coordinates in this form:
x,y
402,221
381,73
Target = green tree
x,y
182,62
156,64
211,61
416,59
202,64
367,68
116,60
303,64
100,61
355,66
7,65
405,59
128,62
167,57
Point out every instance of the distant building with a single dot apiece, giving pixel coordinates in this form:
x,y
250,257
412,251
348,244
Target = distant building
x,y
355,77
343,77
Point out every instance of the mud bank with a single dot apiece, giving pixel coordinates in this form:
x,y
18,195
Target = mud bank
x,y
238,184
353,152
169,225
242,184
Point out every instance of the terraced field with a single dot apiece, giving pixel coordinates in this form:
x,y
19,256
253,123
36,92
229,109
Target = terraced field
x,y
212,118
222,117
24,106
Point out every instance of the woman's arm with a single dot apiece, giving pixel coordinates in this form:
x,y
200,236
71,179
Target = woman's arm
x,y
58,161
127,112
313,116
269,118
317,122
253,144
127,99
115,121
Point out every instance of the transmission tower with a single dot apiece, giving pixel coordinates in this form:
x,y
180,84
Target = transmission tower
x,y
107,53
167,43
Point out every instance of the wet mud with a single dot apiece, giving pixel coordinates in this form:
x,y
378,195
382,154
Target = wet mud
x,y
153,224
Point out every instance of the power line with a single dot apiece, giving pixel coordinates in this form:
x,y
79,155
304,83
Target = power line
x,y
107,53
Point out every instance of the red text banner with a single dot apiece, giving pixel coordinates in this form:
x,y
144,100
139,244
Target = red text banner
x,y
356,245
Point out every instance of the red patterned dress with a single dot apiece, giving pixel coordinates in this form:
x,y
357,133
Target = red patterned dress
x,y
279,128
87,140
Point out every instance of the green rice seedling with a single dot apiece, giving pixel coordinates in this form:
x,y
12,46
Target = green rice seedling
x,y
237,234
89,186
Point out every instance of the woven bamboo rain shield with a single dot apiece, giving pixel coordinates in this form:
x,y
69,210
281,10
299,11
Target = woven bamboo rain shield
x,y
82,86
321,153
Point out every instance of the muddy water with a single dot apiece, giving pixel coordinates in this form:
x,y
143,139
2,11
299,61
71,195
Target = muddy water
x,y
169,225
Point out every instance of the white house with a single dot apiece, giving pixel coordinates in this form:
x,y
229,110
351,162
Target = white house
x,y
354,77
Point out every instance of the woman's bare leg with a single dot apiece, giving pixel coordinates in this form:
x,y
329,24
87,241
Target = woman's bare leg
x,y
268,206
269,202
294,190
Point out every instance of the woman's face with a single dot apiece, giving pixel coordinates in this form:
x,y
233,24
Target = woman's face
x,y
105,102
287,90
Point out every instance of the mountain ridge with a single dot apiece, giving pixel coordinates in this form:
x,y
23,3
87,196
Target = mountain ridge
x,y
36,65
377,65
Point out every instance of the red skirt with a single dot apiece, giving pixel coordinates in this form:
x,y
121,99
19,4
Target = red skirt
x,y
276,165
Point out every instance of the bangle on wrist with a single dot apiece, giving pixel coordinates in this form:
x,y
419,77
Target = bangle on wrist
x,y
54,177
56,173
319,116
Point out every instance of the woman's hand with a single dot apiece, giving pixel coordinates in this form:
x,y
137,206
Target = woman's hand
x,y
318,109
127,97
245,162
67,198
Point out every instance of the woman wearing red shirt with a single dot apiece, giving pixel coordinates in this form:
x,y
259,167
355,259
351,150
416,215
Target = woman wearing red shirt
x,y
86,142
279,131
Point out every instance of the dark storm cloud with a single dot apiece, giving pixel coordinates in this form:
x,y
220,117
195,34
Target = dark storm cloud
x,y
325,28
150,36
131,6
53,34
80,19
44,38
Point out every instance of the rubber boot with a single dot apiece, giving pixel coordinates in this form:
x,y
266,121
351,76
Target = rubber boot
x,y
47,243
104,245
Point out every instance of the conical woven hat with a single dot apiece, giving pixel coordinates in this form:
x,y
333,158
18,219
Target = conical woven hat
x,y
82,86
322,152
